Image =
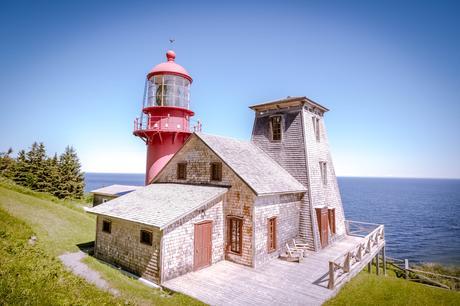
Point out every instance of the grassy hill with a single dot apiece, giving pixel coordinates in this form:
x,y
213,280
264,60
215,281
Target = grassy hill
x,y
31,274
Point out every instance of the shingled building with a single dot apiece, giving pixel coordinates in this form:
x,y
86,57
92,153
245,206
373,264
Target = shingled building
x,y
225,199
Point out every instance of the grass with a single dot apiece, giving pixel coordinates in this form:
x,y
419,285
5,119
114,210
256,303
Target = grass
x,y
370,289
29,276
60,225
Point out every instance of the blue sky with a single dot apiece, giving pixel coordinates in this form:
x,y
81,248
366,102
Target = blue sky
x,y
72,72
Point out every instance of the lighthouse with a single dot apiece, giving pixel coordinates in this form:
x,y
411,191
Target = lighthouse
x,y
164,125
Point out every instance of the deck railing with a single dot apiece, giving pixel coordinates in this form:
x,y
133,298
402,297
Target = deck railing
x,y
373,238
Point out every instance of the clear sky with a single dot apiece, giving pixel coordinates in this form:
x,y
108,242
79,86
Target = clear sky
x,y
72,72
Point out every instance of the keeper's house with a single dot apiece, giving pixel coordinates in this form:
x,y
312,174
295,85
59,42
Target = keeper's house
x,y
219,198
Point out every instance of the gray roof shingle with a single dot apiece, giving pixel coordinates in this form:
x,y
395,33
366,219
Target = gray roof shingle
x,y
117,190
158,204
262,174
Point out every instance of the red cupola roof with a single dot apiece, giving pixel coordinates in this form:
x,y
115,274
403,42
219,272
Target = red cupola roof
x,y
169,67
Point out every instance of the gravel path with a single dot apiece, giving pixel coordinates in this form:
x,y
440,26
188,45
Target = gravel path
x,y
73,262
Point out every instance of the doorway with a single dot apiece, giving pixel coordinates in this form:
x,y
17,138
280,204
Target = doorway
x,y
202,245
323,225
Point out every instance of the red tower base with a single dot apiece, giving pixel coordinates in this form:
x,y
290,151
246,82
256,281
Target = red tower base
x,y
160,150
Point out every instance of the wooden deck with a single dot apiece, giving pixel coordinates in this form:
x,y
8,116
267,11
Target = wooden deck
x,y
278,282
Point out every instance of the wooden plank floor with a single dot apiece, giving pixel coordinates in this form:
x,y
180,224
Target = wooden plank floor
x,y
277,282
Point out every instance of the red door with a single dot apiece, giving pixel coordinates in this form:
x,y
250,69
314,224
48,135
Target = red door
x,y
323,225
203,245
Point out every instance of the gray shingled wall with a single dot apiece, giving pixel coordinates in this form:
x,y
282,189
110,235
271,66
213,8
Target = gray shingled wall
x,y
286,209
322,195
290,154
178,241
238,200
122,247
99,198
298,143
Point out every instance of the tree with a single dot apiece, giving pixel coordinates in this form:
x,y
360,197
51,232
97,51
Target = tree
x,y
53,177
7,163
72,181
21,169
36,160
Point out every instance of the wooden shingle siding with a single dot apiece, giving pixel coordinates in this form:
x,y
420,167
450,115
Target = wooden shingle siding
x,y
286,210
322,194
238,200
178,240
290,154
122,248
300,153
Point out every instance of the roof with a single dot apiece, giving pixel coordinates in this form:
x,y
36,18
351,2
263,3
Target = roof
x,y
169,67
286,102
262,174
115,190
159,204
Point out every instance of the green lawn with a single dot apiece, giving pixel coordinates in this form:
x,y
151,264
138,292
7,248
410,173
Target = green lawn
x,y
370,289
60,226
29,276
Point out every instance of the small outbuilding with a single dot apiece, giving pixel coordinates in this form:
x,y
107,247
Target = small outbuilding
x,y
162,230
104,194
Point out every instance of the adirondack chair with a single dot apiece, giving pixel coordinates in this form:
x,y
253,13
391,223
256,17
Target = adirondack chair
x,y
300,246
294,254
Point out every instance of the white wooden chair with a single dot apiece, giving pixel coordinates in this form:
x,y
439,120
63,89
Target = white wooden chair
x,y
294,253
300,246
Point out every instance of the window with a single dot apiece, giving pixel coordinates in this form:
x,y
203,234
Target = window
x,y
275,123
235,232
216,171
146,237
272,234
106,226
316,127
104,200
323,169
181,171
331,217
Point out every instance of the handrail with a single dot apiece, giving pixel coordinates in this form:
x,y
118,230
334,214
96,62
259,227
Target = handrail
x,y
166,123
356,254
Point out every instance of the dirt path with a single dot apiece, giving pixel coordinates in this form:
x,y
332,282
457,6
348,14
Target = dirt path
x,y
73,262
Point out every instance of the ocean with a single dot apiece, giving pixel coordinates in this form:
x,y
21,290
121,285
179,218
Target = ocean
x,y
421,216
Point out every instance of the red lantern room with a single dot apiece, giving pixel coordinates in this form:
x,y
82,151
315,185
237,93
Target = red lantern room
x,y
165,121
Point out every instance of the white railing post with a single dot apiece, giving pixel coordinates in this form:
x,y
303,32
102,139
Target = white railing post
x,y
346,265
406,267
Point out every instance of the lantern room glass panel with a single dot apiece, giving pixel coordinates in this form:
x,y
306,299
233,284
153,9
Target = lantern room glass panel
x,y
168,90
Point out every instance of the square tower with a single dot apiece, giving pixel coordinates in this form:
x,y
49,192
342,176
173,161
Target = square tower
x,y
292,132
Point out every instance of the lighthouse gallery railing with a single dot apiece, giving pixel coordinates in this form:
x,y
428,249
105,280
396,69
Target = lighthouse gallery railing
x,y
166,123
